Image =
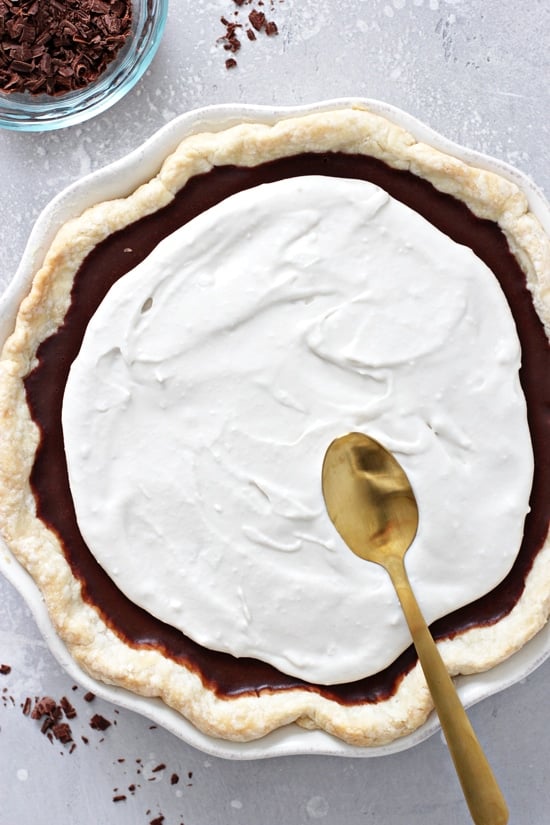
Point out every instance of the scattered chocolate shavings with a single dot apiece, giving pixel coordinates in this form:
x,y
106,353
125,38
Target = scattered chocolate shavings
x,y
47,711
55,47
7,699
62,732
5,670
257,23
45,707
231,41
53,718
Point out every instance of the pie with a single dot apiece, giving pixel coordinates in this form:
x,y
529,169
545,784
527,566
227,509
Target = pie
x,y
182,361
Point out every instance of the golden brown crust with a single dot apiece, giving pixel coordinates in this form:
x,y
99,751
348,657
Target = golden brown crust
x,y
93,645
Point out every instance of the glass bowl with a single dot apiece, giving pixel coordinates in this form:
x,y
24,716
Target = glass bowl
x,y
26,112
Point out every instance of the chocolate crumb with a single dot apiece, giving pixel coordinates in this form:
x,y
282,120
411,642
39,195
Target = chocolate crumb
x,y
257,19
89,697
44,707
158,821
158,768
98,722
120,798
68,709
5,670
62,732
174,779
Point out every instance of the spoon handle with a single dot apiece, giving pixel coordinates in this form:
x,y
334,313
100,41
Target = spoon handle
x,y
481,791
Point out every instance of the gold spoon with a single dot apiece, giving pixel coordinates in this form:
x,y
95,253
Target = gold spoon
x,y
371,503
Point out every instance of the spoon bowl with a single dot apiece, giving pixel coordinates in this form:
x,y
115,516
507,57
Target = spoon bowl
x,y
360,476
372,505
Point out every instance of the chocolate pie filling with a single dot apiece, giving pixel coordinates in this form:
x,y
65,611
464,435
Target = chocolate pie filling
x,y
120,252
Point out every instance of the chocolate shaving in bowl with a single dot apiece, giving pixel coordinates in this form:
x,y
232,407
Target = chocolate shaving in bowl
x,y
61,45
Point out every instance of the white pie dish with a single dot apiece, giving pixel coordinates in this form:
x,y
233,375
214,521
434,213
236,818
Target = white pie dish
x,y
120,179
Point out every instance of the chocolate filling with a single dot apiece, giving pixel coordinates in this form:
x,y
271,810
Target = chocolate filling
x,y
115,256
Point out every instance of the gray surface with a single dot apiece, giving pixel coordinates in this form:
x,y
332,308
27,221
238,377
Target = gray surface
x,y
476,71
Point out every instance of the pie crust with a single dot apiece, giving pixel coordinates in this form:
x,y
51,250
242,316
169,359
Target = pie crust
x,y
92,643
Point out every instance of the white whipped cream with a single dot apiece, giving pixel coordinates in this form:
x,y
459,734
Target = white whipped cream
x,y
212,379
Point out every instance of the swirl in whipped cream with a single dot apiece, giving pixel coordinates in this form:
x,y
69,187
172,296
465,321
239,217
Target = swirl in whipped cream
x,y
212,379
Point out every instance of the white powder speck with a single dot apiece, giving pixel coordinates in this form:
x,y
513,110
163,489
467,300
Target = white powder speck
x,y
317,807
236,804
22,774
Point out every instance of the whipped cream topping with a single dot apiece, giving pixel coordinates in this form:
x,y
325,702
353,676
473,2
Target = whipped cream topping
x,y
212,379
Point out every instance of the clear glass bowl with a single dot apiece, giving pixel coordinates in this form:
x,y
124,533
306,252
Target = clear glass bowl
x,y
26,112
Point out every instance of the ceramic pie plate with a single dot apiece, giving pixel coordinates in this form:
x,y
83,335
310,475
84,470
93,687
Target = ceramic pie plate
x,y
118,180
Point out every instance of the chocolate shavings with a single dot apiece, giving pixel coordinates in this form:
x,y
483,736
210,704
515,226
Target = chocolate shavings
x,y
55,47
257,23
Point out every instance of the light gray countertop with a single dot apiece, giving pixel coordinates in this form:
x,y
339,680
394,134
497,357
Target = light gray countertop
x,y
478,73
